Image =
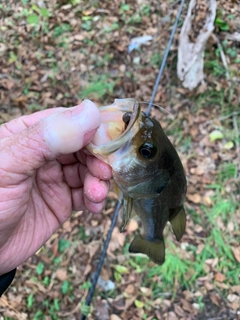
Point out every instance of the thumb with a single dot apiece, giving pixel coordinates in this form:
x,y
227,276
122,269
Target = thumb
x,y
63,132
69,131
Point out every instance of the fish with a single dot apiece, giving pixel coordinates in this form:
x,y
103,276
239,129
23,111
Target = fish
x,y
147,170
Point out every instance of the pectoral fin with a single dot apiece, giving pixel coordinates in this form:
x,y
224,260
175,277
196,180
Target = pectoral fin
x,y
178,221
127,209
117,190
154,250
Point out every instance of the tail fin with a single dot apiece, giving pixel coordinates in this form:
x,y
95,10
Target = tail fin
x,y
154,250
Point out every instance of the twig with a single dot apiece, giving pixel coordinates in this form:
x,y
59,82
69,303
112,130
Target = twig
x,y
234,37
223,57
232,114
235,125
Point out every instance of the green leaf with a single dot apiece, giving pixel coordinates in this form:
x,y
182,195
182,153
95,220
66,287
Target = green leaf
x,y
44,12
57,260
56,304
65,286
125,7
86,285
121,269
40,268
46,281
117,276
30,301
63,244
12,57
85,309
229,145
215,135
33,19
221,24
139,304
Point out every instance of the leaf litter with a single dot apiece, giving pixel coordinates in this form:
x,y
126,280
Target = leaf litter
x,y
55,53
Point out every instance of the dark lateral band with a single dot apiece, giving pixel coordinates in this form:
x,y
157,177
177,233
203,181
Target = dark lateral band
x,y
5,280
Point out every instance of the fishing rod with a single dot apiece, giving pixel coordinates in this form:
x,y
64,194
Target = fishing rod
x,y
115,215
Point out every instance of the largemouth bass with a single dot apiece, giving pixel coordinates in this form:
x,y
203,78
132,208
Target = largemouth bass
x,y
148,171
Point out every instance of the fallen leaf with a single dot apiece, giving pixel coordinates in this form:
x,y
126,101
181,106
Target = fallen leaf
x,y
215,299
236,253
195,198
130,289
215,135
236,289
114,317
172,316
61,274
232,297
139,304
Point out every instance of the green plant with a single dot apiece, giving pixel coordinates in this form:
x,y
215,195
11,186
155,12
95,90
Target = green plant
x,y
61,29
30,301
221,24
98,87
40,268
63,244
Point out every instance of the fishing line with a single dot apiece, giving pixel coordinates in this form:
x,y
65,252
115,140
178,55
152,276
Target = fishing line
x,y
163,110
165,58
103,254
115,215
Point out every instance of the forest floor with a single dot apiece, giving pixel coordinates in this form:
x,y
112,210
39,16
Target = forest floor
x,y
56,53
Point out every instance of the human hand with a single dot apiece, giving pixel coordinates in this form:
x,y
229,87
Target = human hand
x,y
45,175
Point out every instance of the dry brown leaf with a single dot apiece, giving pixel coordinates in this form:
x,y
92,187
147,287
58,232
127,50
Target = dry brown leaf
x,y
61,274
195,198
233,297
178,310
236,253
146,291
215,299
187,306
236,289
93,248
67,226
115,317
130,289
208,285
87,270
106,274
172,316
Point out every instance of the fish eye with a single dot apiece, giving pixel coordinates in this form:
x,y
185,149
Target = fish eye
x,y
148,150
126,117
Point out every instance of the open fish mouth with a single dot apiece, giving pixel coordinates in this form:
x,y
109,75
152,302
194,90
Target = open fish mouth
x,y
119,124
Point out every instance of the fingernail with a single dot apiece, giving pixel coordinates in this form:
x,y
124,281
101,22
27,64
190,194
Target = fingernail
x,y
87,114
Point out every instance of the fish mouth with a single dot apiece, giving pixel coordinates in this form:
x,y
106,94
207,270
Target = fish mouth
x,y
129,107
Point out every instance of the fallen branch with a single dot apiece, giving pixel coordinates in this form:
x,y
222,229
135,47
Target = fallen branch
x,y
196,30
234,36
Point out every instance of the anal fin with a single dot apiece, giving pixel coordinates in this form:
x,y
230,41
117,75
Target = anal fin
x,y
154,250
178,221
